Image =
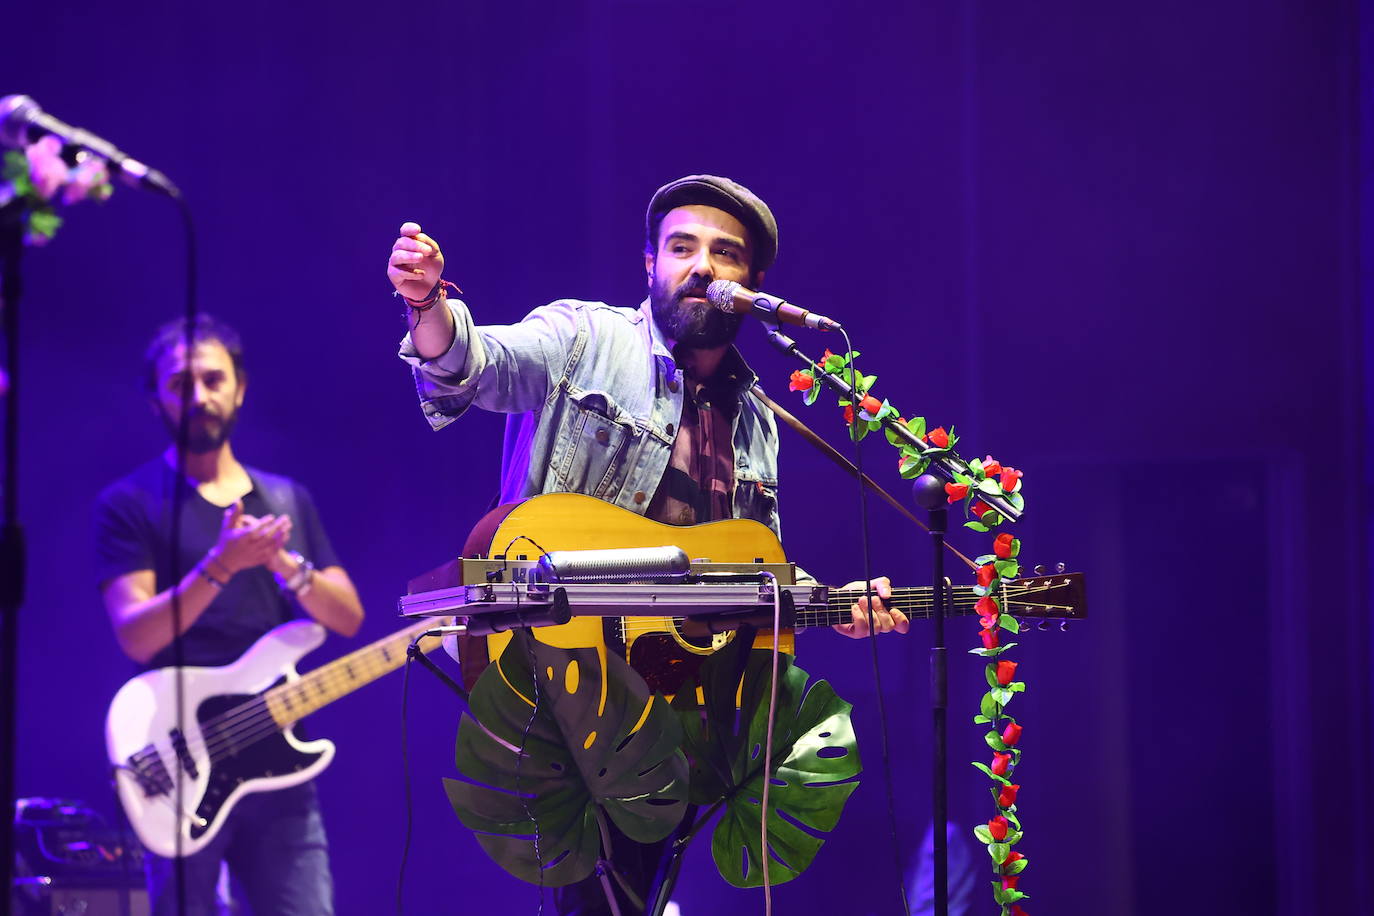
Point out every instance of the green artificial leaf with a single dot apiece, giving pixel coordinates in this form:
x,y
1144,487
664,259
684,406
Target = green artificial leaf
x,y
869,381
984,559
976,526
1015,547
857,432
1017,686
995,741
917,425
983,834
893,438
988,706
1009,623
990,774
992,519
815,760
590,746
43,221
1002,695
999,894
1007,569
990,488
1016,867
1014,837
1013,895
834,363
16,167
990,673
811,394
999,851
1016,500
976,467
981,720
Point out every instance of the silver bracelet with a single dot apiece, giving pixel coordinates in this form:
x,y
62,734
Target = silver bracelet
x,y
300,581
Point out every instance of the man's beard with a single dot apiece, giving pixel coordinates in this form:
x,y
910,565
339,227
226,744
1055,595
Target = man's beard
x,y
699,325
205,433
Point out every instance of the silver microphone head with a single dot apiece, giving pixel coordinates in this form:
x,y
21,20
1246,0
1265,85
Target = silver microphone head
x,y
721,294
15,114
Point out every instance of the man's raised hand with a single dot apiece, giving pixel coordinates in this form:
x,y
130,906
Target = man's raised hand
x,y
416,263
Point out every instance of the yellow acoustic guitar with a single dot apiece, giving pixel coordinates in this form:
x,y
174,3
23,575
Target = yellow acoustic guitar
x,y
665,648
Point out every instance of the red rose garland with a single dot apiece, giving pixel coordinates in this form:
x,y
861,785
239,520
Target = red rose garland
x,y
995,569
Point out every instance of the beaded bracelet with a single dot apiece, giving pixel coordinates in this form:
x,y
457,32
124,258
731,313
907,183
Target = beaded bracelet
x,y
427,303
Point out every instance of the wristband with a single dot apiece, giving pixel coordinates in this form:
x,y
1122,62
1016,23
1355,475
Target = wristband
x,y
435,294
300,581
205,574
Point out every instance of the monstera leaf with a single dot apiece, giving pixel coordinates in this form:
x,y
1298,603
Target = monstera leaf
x,y
595,740
814,751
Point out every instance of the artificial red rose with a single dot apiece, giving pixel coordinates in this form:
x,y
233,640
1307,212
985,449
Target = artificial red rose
x,y
1000,762
1006,672
800,381
998,828
991,466
902,420
988,622
1007,797
1011,734
1009,478
826,355
1002,545
989,637
849,415
1016,910
956,491
871,404
1009,882
985,606
978,508
939,437
986,573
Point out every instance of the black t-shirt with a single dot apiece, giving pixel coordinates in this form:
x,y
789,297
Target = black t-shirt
x,y
133,521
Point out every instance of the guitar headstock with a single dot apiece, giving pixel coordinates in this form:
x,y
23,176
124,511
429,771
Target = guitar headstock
x,y
1062,596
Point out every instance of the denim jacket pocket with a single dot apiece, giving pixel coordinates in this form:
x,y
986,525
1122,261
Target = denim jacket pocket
x,y
588,455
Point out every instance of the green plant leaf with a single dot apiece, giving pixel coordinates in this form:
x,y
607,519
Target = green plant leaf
x,y
976,526
980,719
984,559
811,394
1007,569
1014,895
1014,837
1016,867
990,774
983,834
815,756
990,674
590,744
994,741
990,488
999,851
1009,623
1017,686
1016,500
1002,695
988,706
917,425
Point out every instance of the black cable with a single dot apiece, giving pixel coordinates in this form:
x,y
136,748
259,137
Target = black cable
x,y
178,501
405,784
872,631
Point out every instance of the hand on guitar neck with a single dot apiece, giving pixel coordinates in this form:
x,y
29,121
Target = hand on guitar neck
x,y
885,619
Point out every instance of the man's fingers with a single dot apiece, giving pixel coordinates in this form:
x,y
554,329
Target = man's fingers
x,y
415,245
410,228
233,514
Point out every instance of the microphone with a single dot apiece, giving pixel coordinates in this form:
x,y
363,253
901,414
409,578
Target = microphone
x,y
729,296
22,122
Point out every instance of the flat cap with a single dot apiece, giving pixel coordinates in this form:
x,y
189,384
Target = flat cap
x,y
723,194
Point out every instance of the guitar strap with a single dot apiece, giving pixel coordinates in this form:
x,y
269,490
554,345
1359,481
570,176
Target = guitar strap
x,y
829,451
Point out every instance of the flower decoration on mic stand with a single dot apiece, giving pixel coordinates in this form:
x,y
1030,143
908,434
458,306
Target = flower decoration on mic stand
x,y
988,478
35,181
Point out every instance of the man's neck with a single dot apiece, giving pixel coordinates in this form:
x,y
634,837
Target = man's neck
x,y
702,364
214,468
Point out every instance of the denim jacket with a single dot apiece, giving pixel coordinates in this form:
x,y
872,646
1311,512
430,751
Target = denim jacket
x,y
595,397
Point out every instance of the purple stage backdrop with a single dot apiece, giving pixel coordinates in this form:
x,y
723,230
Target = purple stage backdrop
x,y
1117,247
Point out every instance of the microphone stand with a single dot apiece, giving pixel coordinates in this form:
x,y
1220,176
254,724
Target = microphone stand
x,y
930,495
929,492
11,536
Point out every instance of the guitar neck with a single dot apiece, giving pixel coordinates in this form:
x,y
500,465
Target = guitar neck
x,y
917,603
296,699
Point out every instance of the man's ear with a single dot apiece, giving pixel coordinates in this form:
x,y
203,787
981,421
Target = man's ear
x,y
649,266
243,387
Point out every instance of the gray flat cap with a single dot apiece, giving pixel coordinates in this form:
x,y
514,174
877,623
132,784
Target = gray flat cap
x,y
723,194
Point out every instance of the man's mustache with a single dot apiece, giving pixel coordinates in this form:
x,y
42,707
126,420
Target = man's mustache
x,y
693,287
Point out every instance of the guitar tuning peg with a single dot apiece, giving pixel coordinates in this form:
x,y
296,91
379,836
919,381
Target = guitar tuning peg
x,y
1063,626
1039,569
1060,567
1044,626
